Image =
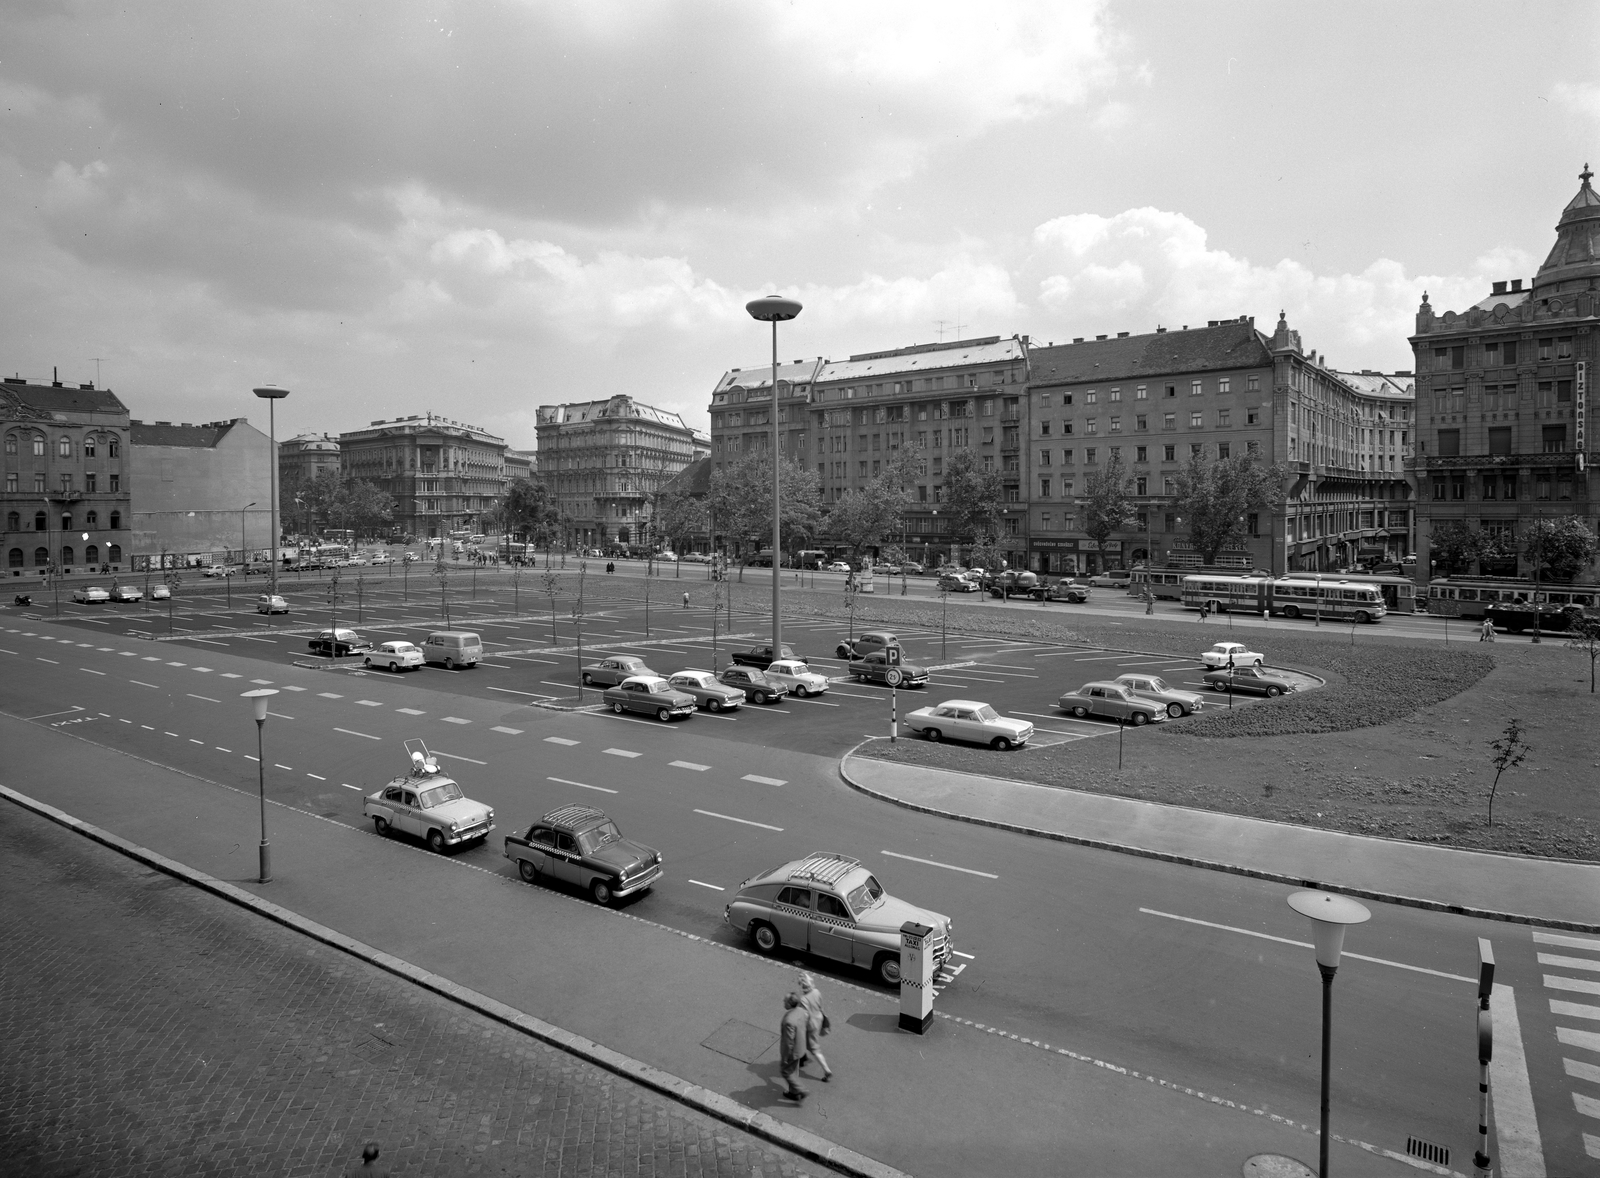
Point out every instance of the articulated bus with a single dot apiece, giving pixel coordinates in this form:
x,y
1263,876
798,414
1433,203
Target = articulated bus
x,y
1291,596
1398,593
1168,582
1466,597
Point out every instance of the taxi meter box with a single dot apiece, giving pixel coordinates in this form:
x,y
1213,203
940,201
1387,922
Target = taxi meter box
x,y
453,648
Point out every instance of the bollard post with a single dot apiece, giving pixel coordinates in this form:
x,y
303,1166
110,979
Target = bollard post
x,y
1480,1160
916,978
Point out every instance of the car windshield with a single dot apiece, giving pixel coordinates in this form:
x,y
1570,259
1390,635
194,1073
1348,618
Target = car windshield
x,y
1158,685
987,713
655,685
868,895
797,669
592,840
403,648
440,794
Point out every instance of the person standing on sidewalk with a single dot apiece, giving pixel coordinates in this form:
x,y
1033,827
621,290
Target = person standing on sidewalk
x,y
816,1023
685,599
369,1166
792,1044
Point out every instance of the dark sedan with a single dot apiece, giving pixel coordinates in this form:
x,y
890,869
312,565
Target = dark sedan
x,y
761,657
875,668
755,684
338,643
1247,679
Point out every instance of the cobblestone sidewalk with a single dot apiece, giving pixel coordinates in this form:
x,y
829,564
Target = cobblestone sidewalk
x,y
153,1029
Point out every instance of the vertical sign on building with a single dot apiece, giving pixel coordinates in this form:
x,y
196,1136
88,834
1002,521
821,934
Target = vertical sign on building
x,y
1580,407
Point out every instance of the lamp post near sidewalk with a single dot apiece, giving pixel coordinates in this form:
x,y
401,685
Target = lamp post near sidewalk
x,y
1330,915
258,699
775,309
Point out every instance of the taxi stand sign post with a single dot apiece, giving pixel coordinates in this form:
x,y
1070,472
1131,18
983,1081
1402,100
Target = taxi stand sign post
x,y
893,676
1480,1160
916,978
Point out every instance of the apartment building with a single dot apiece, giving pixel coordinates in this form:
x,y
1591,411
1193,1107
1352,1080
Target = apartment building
x,y
443,474
200,492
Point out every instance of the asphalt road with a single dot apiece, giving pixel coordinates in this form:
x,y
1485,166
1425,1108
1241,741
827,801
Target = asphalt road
x,y
1083,947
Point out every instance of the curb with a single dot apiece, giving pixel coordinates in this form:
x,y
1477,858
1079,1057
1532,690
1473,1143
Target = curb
x,y
806,1144
1574,926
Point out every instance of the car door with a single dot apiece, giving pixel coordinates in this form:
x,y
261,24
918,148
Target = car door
x,y
566,860
833,929
408,813
640,698
542,849
791,916
1098,705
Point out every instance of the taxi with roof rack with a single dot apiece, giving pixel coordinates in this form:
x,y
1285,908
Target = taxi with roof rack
x,y
580,845
427,804
831,906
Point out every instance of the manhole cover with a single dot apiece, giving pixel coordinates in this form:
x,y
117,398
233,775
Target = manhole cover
x,y
1275,1165
741,1041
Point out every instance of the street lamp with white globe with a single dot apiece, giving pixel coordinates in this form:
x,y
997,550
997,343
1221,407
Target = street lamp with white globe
x,y
775,309
258,699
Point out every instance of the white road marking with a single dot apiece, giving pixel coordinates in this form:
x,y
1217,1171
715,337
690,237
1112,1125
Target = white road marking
x,y
150,658
313,775
290,768
453,757
1590,1040
177,664
713,887
581,785
351,732
102,673
689,765
410,712
280,715
1521,1150
560,740
529,694
1575,985
936,863
192,740
1228,928
1566,942
127,654
329,695
1581,1071
207,698
507,731
759,780
347,785
369,703
231,675
622,753
141,683
1568,962
43,660
286,686
1574,1009
959,953
454,720
742,821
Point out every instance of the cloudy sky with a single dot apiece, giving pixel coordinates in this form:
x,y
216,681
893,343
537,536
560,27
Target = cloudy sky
x,y
478,208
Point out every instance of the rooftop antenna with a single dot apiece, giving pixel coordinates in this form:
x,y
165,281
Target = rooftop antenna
x,y
939,323
97,360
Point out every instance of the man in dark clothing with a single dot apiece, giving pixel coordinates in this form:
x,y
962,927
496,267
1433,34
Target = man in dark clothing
x,y
792,1044
369,1166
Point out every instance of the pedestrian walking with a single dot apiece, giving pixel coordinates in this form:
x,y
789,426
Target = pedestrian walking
x,y
792,1044
1486,632
685,599
369,1166
817,1023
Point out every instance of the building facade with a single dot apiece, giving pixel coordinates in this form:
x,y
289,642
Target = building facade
x,y
1503,396
603,461
443,474
521,464
65,480
200,492
303,458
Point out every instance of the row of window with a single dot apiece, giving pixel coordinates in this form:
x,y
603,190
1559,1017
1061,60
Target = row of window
x,y
1141,422
1252,384
41,521
91,482
64,448
1505,353
1505,484
41,556
1552,438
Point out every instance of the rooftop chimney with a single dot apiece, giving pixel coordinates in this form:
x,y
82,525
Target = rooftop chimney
x,y
1516,285
1099,337
1499,288
1122,335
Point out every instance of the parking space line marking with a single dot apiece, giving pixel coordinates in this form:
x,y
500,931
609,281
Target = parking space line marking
x,y
742,821
42,660
313,775
689,765
581,785
290,768
192,740
622,753
713,887
352,732
369,703
759,780
453,719
347,785
92,672
453,757
142,683
507,731
560,740
280,715
529,694
410,712
959,953
207,698
936,863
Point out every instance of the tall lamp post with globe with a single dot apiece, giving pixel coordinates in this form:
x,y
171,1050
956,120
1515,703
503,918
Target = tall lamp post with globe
x,y
775,309
258,700
272,394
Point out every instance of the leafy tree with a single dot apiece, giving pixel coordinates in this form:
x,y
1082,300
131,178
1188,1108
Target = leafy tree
x,y
1559,548
1452,547
741,502
1217,497
528,512
678,517
1108,508
1584,635
1510,750
986,555
317,497
877,509
365,506
974,497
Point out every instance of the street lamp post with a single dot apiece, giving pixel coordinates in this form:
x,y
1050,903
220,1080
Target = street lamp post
x,y
258,699
272,394
1538,541
1329,915
775,309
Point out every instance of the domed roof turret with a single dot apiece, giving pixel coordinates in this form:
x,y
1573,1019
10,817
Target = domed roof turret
x,y
1574,262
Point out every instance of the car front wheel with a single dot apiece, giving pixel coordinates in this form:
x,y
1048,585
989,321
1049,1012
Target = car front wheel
x,y
713,705
601,891
765,937
663,714
436,841
841,651
1273,692
887,968
1002,743
1140,719
1363,616
1174,710
801,690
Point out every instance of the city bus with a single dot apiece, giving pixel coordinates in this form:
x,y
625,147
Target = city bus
x,y
1399,593
1168,582
1466,597
1294,596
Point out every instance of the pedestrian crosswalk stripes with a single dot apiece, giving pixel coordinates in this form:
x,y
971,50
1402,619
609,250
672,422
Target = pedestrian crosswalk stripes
x,y
1580,1061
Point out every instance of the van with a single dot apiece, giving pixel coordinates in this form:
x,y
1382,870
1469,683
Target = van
x,y
452,648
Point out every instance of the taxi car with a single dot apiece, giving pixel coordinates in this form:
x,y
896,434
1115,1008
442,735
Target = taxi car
x,y
865,643
1248,679
337,643
831,906
707,692
876,667
427,804
580,845
1236,653
267,603
1113,701
397,656
761,657
969,719
1177,701
797,677
755,684
90,594
612,671
650,694
126,593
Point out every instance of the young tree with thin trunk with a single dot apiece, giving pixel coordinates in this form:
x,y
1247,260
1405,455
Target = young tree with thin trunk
x,y
1510,750
1584,635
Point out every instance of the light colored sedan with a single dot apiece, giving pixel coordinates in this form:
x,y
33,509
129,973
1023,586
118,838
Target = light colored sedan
x,y
968,719
837,566
1111,701
397,656
650,694
707,692
1179,702
612,671
798,677
126,593
267,603
1236,654
91,595
164,593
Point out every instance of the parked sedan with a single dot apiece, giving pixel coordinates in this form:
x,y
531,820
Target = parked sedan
x,y
875,668
337,643
797,677
837,566
755,684
865,643
217,570
707,692
126,593
90,594
164,593
967,719
612,671
1178,702
953,583
1223,653
397,656
761,657
267,603
1112,579
1247,679
428,804
1112,701
580,845
650,694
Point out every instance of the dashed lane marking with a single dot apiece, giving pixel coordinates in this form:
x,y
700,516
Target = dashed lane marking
x,y
220,749
43,660
352,732
207,698
689,765
280,715
581,785
313,775
622,753
92,672
369,703
741,821
713,887
560,740
760,780
329,695
150,658
453,757
455,720
127,654
231,675
262,682
410,712
347,785
141,683
290,768
529,694
936,863
177,664
507,731
286,686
